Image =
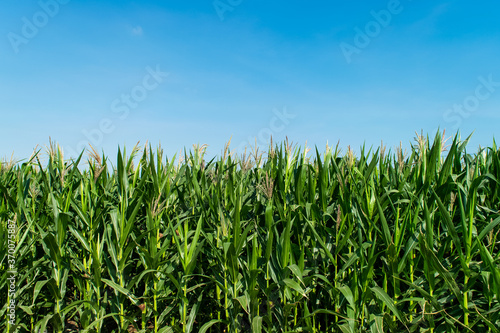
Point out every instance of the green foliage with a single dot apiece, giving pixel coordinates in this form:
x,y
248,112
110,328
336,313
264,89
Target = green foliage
x,y
287,243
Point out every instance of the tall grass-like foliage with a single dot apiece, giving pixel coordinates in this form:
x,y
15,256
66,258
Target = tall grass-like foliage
x,y
279,242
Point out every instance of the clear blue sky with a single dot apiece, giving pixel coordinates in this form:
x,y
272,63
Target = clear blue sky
x,y
357,71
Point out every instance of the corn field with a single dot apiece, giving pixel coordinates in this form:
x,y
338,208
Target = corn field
x,y
291,240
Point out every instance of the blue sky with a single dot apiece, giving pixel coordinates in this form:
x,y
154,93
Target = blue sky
x,y
114,73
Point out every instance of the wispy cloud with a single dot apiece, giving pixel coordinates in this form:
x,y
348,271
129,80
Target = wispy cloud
x,y
428,24
137,31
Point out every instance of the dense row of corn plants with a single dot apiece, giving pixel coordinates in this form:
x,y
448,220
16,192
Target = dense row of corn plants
x,y
282,242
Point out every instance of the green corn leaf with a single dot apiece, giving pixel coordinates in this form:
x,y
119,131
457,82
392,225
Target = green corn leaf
x,y
382,296
320,241
443,272
494,268
295,286
212,322
122,290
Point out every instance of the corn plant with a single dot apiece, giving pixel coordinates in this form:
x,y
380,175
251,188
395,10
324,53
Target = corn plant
x,y
281,241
